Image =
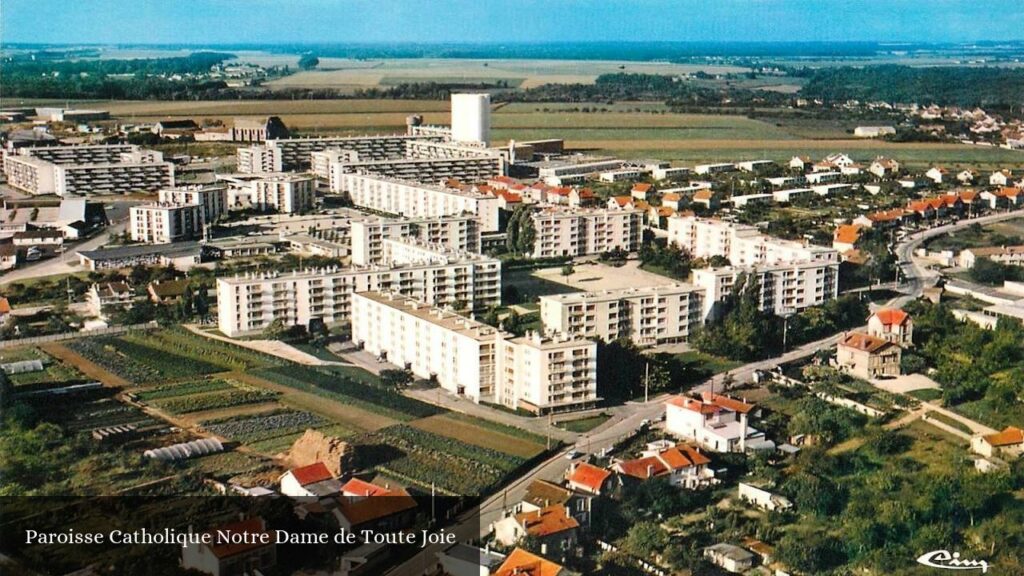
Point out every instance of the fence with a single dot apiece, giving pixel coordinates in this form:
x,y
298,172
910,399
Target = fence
x,y
72,335
643,564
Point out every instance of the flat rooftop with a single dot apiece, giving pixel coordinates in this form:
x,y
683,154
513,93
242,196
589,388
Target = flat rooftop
x,y
446,319
614,294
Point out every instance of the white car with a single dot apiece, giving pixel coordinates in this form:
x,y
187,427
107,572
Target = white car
x,y
572,455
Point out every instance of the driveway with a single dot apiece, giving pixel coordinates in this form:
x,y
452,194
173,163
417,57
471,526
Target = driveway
x,y
906,383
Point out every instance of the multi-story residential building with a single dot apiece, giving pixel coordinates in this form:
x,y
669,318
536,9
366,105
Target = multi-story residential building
x,y
213,198
163,223
79,170
295,153
248,304
455,233
782,288
475,360
434,343
743,245
545,374
868,357
578,232
647,316
416,200
284,192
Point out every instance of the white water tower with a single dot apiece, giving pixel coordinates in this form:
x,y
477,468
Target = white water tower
x,y
471,118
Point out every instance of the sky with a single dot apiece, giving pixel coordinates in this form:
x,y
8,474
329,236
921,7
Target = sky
x,y
290,21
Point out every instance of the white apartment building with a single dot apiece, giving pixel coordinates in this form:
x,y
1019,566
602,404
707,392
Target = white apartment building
x,y
248,304
295,153
416,200
743,245
257,159
475,360
543,374
714,168
434,343
287,193
784,288
454,233
213,198
579,232
164,223
80,170
647,316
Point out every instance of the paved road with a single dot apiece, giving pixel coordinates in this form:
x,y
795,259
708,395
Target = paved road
x,y
66,264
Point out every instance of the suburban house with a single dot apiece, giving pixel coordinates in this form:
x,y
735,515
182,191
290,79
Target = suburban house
x,y
233,558
882,219
671,200
715,422
553,526
892,325
1008,444
541,494
846,237
683,465
763,499
867,357
523,563
1000,178
105,297
1010,255
729,557
314,480
589,479
937,174
641,190
707,198
5,309
800,162
167,291
884,167
967,176
380,509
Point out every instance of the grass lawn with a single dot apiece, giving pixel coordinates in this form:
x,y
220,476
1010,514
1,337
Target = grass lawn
x,y
997,416
584,424
949,422
926,394
716,364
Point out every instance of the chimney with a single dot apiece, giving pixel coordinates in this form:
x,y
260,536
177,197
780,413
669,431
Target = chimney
x,y
650,468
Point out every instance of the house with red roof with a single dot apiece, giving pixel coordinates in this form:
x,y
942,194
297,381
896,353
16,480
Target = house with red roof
x,y
882,219
256,552
541,494
715,422
846,237
5,309
1007,444
641,191
360,505
621,203
683,465
553,526
522,563
893,325
589,479
884,167
314,480
868,357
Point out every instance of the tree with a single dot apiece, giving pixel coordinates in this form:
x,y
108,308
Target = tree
x,y
645,539
275,330
396,379
308,62
810,552
567,270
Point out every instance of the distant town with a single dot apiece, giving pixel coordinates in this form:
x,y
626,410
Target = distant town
x,y
574,359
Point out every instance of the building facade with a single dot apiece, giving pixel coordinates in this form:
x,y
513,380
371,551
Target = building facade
x,y
163,223
647,316
415,200
579,232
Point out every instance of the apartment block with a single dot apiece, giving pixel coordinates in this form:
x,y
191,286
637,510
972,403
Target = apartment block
x,y
454,233
295,153
647,316
475,360
258,159
471,168
164,223
416,200
248,304
284,192
743,245
783,288
213,198
579,232
80,170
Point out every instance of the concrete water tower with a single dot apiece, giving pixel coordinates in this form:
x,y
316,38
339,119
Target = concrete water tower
x,y
471,118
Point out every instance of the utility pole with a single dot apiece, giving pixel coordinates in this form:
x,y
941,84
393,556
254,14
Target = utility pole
x,y
647,380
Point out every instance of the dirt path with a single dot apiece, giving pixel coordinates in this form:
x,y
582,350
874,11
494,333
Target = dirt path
x,y
271,347
444,425
343,413
242,410
84,365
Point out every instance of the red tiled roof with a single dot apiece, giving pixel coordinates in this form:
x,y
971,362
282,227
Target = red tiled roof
x,y
388,503
357,487
589,476
642,187
5,305
1010,436
642,468
248,526
704,194
523,563
886,215
547,521
694,455
671,197
890,316
622,200
727,402
864,342
693,405
848,233
312,474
